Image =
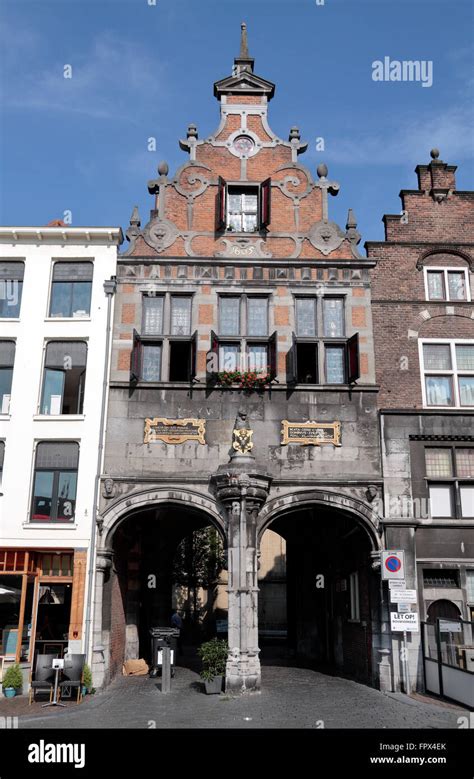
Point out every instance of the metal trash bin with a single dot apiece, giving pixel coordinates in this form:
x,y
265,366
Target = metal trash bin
x,y
160,638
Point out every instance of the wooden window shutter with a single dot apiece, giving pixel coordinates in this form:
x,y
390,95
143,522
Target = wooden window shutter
x,y
273,355
136,358
265,203
352,357
221,205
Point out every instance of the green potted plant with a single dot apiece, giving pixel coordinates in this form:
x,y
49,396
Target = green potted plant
x,y
214,657
12,681
86,680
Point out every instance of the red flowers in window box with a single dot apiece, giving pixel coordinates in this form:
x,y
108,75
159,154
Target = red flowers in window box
x,y
247,380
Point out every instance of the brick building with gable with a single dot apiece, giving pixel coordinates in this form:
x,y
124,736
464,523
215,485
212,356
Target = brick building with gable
x,y
240,268
244,397
423,317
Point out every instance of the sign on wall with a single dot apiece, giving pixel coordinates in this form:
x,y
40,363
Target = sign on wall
x,y
310,433
397,584
402,622
174,431
393,564
403,596
450,626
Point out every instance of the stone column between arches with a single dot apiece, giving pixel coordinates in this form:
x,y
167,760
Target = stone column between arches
x,y
243,492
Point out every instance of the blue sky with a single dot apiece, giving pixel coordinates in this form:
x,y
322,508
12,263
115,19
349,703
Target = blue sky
x,y
143,71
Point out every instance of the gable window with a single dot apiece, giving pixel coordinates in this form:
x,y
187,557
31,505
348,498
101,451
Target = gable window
x,y
447,369
306,317
333,317
64,377
335,368
180,315
243,208
329,358
71,289
450,475
243,343
450,284
151,362
229,315
152,314
165,350
55,482
7,359
11,288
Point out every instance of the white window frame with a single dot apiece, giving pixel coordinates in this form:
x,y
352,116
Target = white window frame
x,y
445,271
243,340
55,261
452,372
242,185
52,417
354,596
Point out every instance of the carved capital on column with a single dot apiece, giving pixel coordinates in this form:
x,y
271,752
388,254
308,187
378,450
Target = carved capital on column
x,y
232,486
104,560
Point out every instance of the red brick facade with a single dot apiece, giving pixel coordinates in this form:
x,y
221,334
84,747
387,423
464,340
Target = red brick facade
x,y
435,229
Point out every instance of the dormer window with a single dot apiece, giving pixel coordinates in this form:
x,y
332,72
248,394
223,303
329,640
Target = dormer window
x,y
243,208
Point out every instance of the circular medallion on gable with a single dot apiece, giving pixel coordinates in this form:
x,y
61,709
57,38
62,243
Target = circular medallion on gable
x,y
243,145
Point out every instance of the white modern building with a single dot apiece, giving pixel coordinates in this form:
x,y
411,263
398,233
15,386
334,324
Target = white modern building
x,y
56,307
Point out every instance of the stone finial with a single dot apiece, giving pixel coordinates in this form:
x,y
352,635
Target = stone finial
x,y
322,170
244,61
244,46
192,131
135,217
133,230
163,168
434,154
352,234
351,223
295,134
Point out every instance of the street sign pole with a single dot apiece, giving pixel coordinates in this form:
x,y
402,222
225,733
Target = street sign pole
x,y
405,663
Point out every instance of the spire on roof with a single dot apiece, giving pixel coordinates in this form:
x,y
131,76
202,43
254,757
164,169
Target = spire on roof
x,y
244,46
244,61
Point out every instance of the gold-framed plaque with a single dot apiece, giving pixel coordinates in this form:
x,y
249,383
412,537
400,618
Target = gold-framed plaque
x,y
310,433
174,431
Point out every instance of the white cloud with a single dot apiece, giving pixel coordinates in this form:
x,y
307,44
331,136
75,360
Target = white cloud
x,y
410,139
113,79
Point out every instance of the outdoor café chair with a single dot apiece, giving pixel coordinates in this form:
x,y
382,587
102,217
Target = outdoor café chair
x,y
73,674
44,677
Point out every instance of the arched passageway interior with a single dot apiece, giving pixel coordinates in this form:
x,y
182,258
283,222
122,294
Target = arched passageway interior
x,y
165,558
318,594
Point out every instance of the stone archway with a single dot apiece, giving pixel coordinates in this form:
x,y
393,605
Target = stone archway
x,y
364,514
443,609
333,594
147,508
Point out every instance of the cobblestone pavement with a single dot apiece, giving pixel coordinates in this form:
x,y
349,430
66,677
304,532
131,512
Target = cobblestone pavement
x,y
291,698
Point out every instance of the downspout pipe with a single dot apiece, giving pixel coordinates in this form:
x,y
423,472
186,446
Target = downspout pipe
x,y
110,286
